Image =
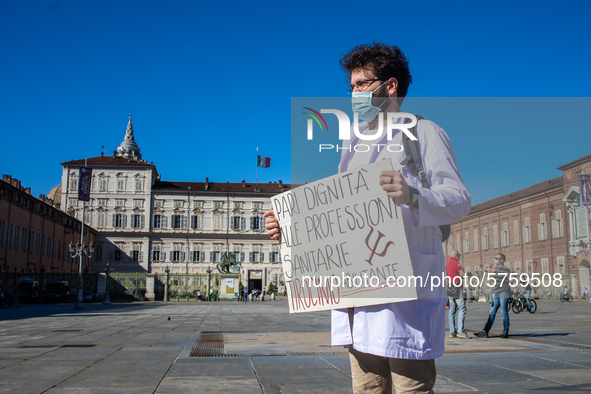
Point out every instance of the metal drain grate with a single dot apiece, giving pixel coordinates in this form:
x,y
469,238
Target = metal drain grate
x,y
553,343
37,346
48,346
209,344
77,345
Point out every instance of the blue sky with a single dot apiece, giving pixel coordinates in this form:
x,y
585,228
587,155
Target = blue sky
x,y
207,84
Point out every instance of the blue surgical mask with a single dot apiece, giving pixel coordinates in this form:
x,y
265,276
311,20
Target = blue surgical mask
x,y
497,262
362,104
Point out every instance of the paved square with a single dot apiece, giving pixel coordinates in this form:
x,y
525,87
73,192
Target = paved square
x,y
260,348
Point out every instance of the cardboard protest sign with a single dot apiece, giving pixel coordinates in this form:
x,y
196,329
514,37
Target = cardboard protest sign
x,y
343,242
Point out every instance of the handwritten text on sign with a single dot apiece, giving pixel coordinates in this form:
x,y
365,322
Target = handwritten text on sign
x,y
343,242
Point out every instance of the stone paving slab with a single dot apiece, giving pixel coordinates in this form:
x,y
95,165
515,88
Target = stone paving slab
x,y
214,367
100,390
228,384
278,343
35,377
301,373
66,355
126,368
446,385
512,373
495,344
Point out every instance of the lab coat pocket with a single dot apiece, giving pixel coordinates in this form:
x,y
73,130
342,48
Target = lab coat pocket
x,y
429,276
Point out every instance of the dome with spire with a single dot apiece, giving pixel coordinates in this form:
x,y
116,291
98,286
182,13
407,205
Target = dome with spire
x,y
128,148
56,195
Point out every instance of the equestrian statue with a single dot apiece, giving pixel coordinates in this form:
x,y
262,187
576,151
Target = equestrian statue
x,y
228,261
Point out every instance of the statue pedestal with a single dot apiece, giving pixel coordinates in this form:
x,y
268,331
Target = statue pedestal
x,y
150,281
228,289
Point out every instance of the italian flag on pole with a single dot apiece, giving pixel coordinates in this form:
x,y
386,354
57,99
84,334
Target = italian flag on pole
x,y
264,162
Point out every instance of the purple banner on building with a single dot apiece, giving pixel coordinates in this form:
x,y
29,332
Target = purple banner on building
x,y
585,189
84,184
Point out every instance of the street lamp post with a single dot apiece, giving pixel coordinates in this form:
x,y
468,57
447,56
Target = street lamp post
x,y
481,272
187,294
79,250
478,272
167,276
208,283
107,299
582,246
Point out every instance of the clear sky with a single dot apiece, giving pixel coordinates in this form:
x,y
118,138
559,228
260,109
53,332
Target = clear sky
x,y
209,82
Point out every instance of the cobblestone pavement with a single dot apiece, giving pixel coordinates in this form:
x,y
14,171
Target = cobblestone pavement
x,y
258,347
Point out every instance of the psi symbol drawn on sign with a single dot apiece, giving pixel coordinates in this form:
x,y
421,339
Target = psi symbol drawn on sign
x,y
375,246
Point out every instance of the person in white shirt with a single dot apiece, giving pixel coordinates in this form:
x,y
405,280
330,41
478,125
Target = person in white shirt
x,y
397,343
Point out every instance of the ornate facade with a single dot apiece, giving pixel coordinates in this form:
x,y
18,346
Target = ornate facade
x,y
147,224
541,229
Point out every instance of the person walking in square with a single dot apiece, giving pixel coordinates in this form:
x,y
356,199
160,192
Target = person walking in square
x,y
527,292
500,297
456,296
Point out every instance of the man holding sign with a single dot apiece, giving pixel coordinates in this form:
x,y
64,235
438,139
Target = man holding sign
x,y
398,342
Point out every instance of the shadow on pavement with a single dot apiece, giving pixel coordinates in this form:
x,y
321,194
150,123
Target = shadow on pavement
x,y
28,311
585,388
557,334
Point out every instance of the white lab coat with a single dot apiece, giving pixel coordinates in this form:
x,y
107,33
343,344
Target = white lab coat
x,y
412,329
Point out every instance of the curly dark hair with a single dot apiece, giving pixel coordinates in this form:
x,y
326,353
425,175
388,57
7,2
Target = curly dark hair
x,y
386,61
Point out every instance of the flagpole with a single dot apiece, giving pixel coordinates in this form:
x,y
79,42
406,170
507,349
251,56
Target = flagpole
x,y
257,176
79,305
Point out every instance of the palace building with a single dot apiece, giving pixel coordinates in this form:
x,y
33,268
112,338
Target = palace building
x,y
146,224
541,229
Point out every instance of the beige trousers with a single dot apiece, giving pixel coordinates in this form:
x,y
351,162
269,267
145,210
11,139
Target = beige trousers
x,y
375,374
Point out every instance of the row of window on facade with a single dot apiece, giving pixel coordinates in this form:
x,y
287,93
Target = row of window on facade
x,y
103,202
103,184
25,240
139,203
196,253
137,221
505,238
159,203
40,209
530,267
237,223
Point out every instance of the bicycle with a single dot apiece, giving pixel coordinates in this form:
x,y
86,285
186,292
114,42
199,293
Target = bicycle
x,y
520,304
511,302
7,301
568,298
